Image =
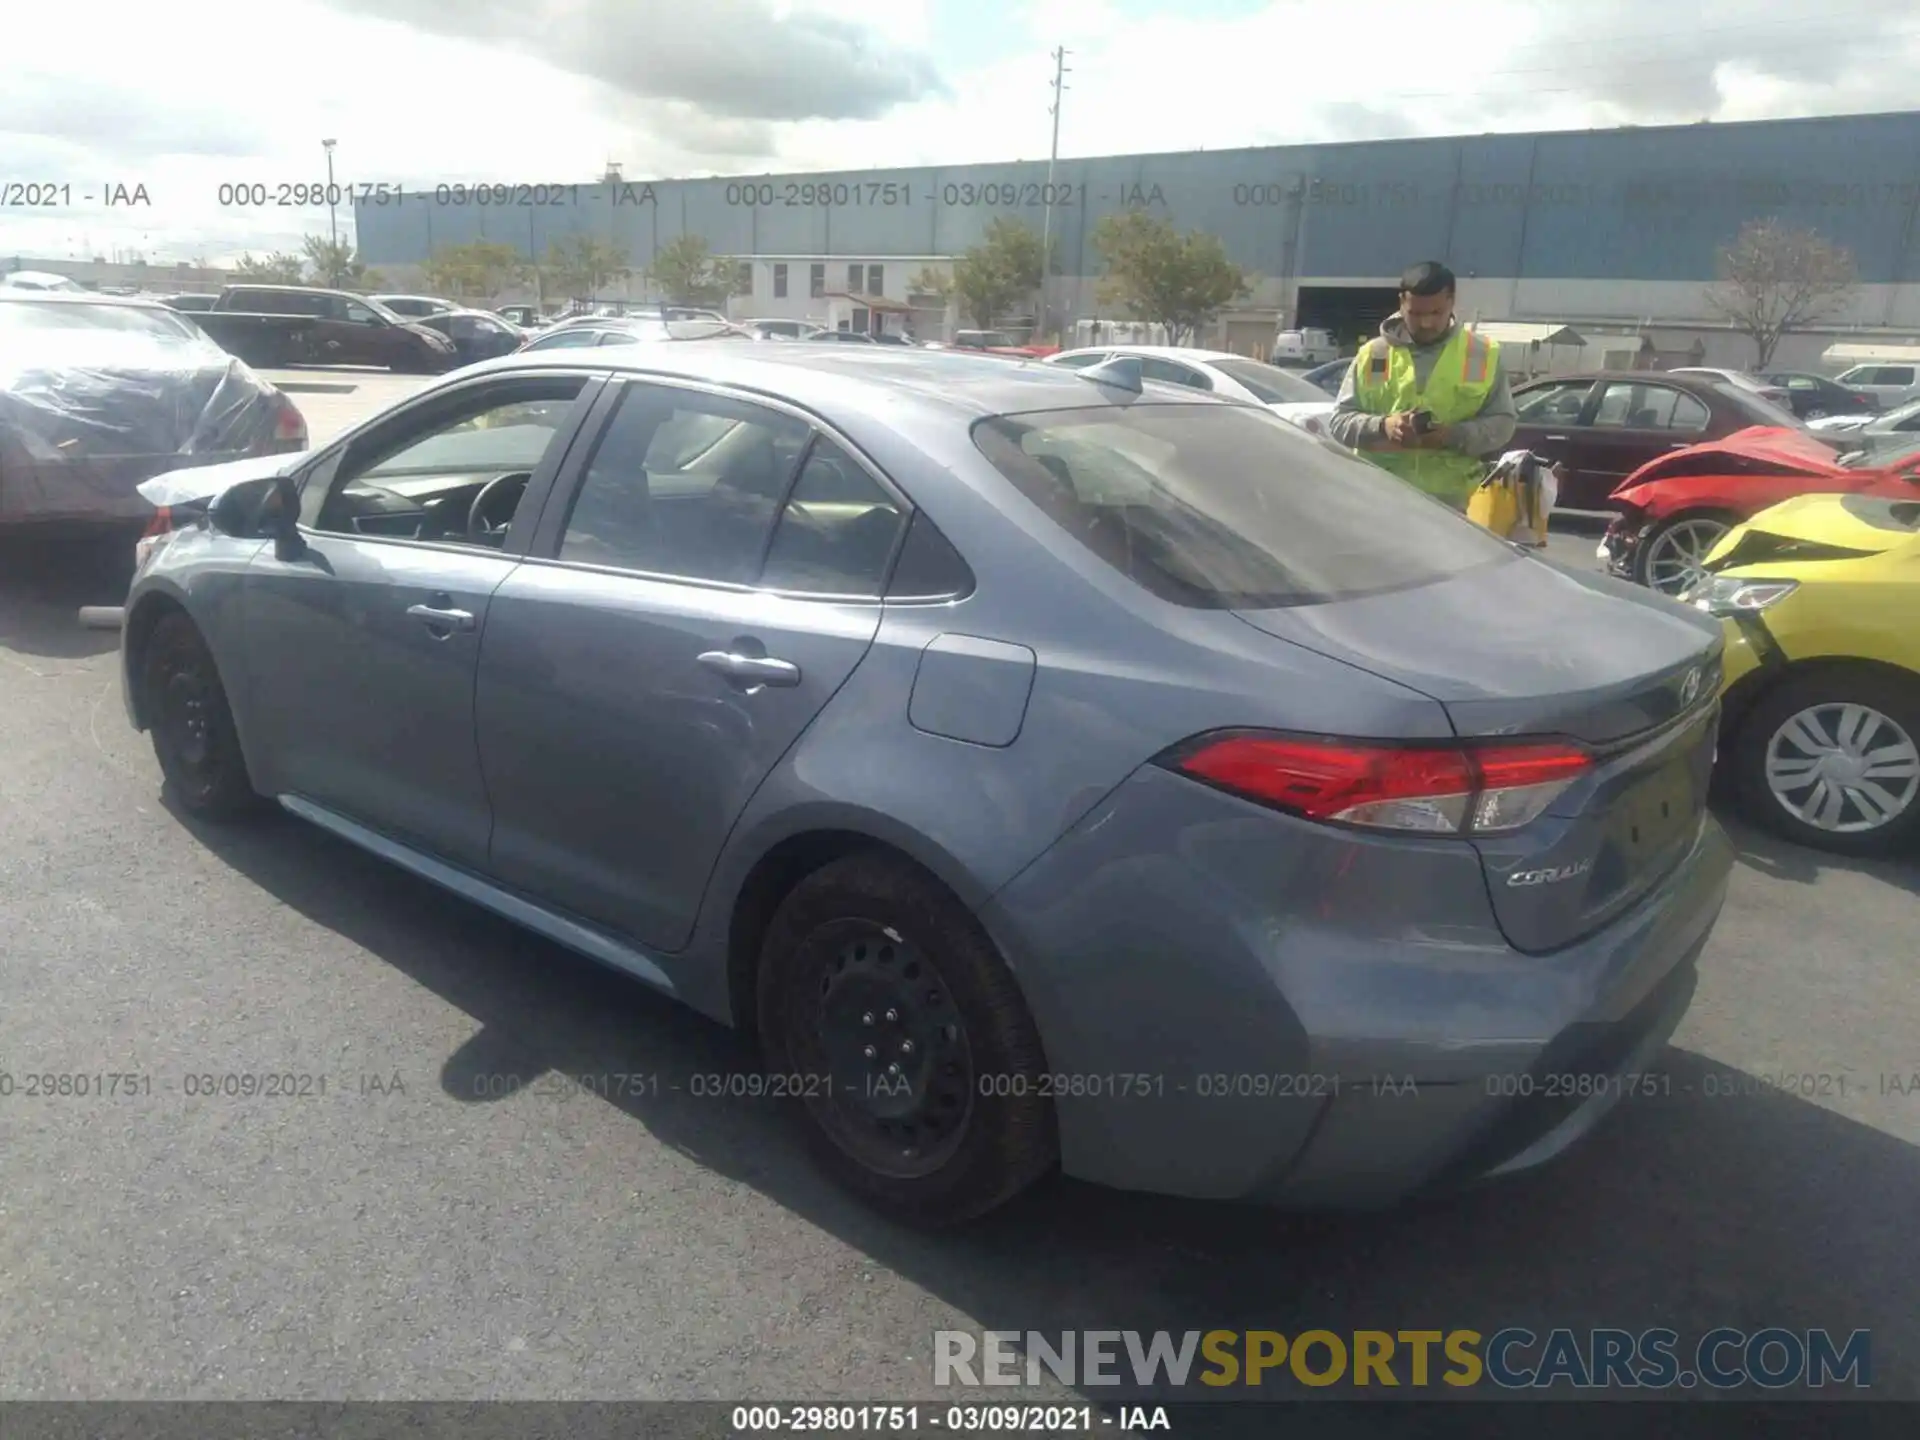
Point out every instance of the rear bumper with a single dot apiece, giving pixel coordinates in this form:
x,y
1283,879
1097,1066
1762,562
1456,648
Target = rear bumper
x,y
1238,1005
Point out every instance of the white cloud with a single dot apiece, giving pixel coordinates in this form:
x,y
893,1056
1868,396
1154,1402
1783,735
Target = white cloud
x,y
190,96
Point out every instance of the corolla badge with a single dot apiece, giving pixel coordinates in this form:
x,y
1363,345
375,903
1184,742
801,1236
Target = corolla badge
x,y
1551,876
1690,687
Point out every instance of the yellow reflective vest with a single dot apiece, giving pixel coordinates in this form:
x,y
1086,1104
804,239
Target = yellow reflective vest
x,y
1458,385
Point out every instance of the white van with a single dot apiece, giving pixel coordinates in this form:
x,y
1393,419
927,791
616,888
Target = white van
x,y
1304,348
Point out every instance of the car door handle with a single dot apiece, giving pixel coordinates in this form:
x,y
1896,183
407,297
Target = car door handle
x,y
438,619
1554,437
752,669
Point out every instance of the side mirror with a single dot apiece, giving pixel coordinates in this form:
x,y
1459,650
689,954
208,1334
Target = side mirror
x,y
280,518
264,509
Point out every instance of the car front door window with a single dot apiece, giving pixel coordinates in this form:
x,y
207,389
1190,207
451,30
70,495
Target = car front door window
x,y
1553,404
422,480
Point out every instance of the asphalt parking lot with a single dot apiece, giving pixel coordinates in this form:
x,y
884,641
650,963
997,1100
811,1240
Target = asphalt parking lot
x,y
430,1227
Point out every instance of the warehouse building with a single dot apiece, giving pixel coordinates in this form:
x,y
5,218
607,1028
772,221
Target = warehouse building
x,y
1614,232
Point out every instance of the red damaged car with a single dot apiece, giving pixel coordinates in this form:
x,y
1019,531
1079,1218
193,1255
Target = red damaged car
x,y
1674,509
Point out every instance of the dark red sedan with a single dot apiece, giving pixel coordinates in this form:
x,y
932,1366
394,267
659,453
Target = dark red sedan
x,y
1604,426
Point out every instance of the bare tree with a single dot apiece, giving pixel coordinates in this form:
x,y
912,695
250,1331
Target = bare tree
x,y
1774,280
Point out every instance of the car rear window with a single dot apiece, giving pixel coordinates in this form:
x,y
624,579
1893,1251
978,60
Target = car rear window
x,y
1270,383
1763,410
1226,507
154,323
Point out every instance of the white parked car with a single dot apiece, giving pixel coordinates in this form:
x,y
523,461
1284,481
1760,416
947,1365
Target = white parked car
x,y
1740,380
40,280
1284,392
1892,382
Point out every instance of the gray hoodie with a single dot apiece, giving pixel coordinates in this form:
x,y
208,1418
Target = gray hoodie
x,y
1484,435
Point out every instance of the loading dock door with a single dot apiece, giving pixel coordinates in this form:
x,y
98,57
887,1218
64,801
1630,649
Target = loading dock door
x,y
1348,312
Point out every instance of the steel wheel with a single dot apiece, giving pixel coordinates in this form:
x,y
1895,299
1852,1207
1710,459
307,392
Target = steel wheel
x,y
185,716
887,1034
1675,552
1818,412
193,733
1843,768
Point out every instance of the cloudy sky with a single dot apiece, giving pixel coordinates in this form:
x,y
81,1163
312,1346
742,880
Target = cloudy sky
x,y
186,96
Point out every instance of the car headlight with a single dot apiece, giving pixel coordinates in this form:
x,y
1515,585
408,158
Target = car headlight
x,y
1726,595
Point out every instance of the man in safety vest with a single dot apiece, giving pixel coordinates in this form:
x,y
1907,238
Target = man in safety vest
x,y
1427,398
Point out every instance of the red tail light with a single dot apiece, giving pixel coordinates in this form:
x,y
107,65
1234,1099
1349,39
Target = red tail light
x,y
1438,790
290,426
157,530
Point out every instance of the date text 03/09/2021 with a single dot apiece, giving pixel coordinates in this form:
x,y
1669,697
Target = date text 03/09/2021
x,y
990,1419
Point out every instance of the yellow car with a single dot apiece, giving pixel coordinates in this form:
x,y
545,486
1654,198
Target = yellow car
x,y
1820,735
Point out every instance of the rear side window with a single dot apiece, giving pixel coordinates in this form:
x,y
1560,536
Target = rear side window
x,y
837,531
1218,507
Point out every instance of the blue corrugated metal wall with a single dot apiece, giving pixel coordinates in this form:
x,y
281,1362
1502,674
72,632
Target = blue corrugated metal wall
x,y
1639,204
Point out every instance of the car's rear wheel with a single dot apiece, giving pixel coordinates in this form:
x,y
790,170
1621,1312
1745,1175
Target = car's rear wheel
x,y
186,709
1831,759
888,1012
1816,412
1669,558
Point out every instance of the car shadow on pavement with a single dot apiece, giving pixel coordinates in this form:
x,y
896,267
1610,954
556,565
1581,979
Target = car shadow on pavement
x,y
43,584
1782,859
1712,1201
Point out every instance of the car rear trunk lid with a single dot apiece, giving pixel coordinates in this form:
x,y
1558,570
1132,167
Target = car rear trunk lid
x,y
1533,650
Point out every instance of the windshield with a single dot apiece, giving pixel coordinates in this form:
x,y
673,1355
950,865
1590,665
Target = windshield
x,y
54,315
1220,506
1270,384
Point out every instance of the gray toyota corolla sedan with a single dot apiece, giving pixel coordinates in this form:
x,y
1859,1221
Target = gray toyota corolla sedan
x,y
1050,770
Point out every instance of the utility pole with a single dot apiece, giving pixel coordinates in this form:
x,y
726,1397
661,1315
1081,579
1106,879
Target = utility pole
x,y
1053,155
333,221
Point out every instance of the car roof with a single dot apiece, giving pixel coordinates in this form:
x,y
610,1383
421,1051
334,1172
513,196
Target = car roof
x,y
829,379
1684,380
90,297
1165,352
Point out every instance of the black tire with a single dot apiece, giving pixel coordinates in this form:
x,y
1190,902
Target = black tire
x,y
874,925
1894,698
1664,533
191,723
1817,412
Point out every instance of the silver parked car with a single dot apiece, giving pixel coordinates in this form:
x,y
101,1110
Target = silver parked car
x,y
1048,768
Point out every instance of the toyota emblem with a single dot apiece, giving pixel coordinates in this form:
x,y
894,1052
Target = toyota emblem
x,y
1690,688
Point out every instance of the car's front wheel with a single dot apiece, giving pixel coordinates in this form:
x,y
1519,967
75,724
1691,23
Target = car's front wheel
x,y
889,1015
1670,557
1831,759
186,710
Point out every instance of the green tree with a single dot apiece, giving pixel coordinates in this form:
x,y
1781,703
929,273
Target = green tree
x,y
685,269
1158,274
277,268
578,265
1774,280
1003,269
476,271
337,265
